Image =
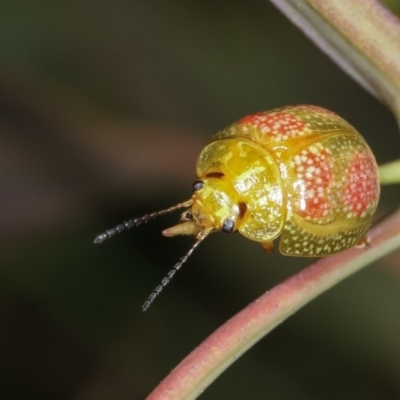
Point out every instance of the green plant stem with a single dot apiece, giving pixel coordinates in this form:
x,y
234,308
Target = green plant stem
x,y
390,173
362,37
201,367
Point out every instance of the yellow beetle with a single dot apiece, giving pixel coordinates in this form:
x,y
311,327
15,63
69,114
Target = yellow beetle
x,y
299,172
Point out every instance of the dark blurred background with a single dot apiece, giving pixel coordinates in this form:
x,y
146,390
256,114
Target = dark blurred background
x,y
104,107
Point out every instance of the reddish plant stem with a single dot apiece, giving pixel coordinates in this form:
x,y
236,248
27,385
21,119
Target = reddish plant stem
x,y
362,37
190,378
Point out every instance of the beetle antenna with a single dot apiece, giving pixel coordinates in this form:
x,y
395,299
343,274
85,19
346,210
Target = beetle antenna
x,y
155,293
108,234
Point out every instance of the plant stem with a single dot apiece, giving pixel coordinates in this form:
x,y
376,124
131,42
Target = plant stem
x,y
362,37
201,367
390,173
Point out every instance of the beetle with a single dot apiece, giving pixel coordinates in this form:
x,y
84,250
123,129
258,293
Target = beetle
x,y
299,172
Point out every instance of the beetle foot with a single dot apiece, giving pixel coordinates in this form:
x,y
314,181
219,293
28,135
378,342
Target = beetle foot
x,y
268,246
363,242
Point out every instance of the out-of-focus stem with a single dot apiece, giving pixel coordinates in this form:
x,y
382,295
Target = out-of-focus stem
x,y
390,173
362,37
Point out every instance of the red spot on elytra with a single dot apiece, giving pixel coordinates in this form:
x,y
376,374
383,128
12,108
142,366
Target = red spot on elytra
x,y
314,168
362,183
280,125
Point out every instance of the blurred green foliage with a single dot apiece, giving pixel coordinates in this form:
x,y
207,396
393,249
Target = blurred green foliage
x,y
103,109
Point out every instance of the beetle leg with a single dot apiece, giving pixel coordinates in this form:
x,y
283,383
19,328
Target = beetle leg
x,y
268,246
363,242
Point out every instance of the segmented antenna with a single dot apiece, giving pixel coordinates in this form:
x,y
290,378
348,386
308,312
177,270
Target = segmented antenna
x,y
155,293
108,234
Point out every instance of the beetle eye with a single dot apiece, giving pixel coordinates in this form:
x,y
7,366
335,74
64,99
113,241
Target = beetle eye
x,y
228,225
197,185
187,216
